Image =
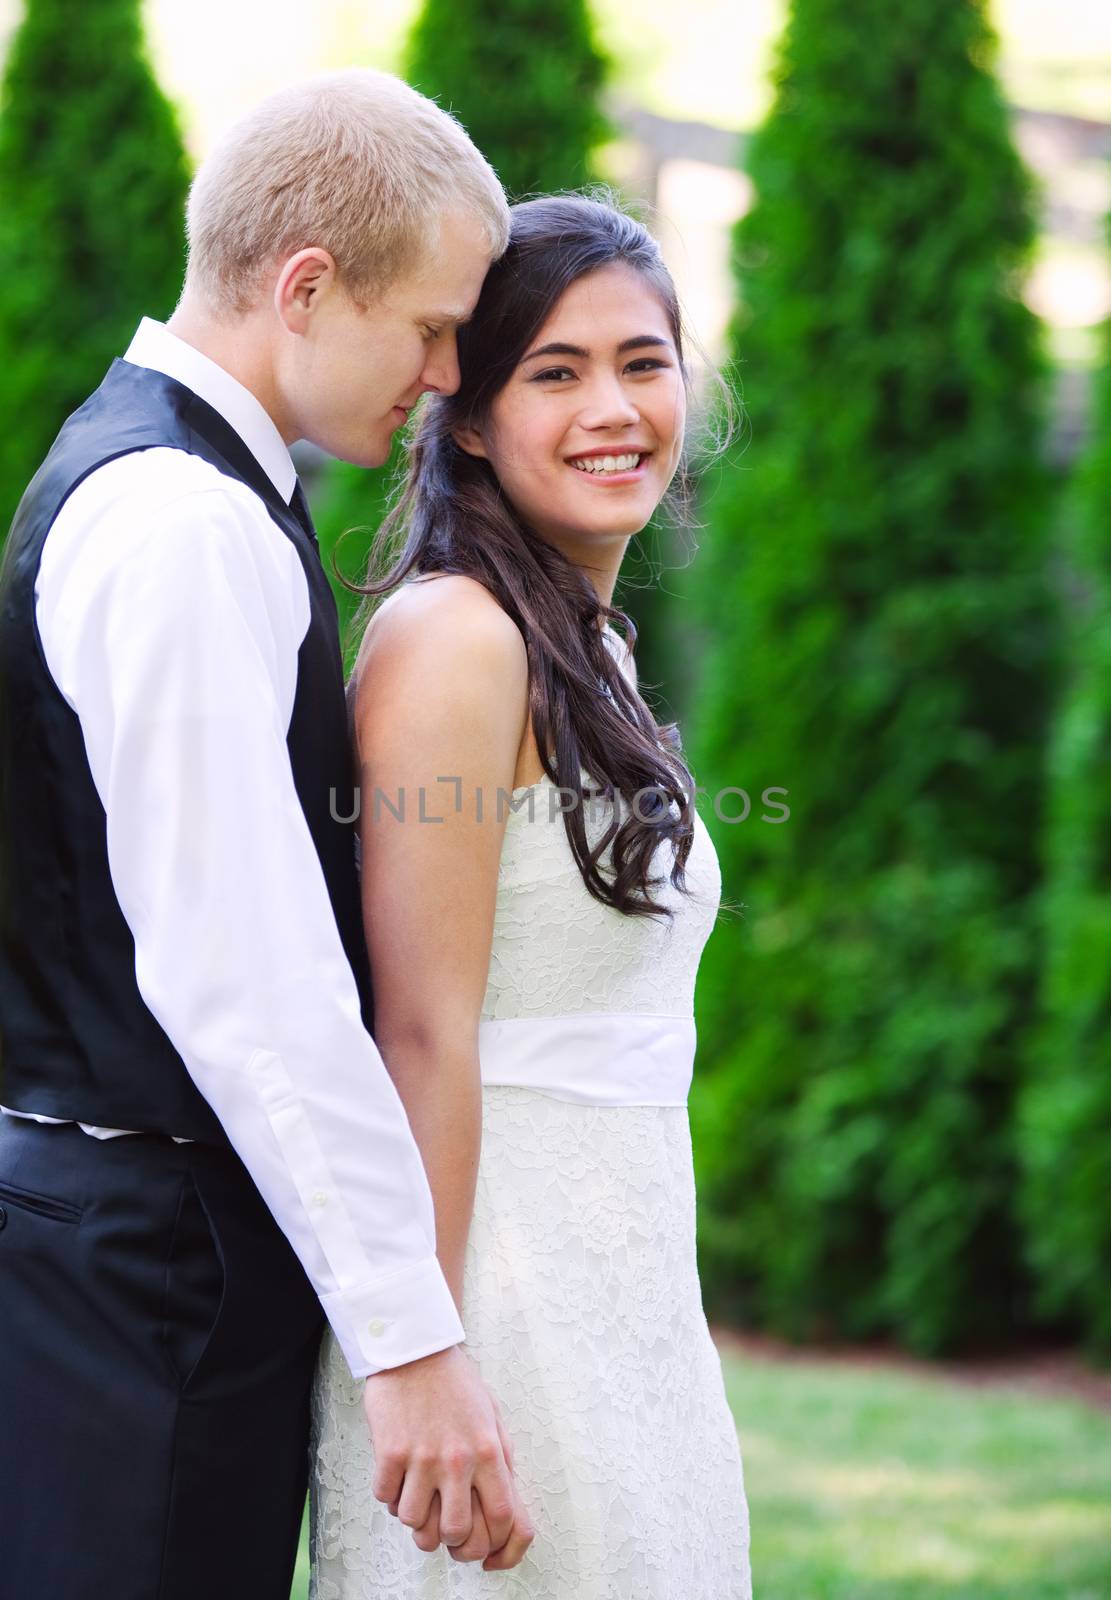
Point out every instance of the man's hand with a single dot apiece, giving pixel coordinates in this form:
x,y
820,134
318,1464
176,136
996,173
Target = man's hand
x,y
443,1463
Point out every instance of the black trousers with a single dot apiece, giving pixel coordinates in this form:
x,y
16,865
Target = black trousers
x,y
157,1343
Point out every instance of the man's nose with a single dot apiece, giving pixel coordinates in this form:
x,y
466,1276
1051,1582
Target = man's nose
x,y
441,370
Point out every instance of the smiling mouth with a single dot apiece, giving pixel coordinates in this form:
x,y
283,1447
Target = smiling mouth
x,y
608,466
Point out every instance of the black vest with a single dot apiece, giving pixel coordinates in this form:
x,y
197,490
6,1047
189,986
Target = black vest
x,y
76,1039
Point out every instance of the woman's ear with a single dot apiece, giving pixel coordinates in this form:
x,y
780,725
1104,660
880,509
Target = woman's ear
x,y
470,440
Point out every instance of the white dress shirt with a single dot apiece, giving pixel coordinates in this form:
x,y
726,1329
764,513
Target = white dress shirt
x,y
171,609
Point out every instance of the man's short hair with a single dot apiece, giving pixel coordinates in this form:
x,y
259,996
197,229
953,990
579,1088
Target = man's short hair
x,y
356,162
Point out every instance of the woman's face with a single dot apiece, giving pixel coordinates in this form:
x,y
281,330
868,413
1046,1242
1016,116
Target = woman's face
x,y
586,435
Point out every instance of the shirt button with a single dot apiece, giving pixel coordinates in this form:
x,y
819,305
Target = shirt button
x,y
320,1198
376,1327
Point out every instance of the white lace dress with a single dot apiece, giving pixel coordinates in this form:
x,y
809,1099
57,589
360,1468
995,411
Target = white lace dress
x,y
581,1297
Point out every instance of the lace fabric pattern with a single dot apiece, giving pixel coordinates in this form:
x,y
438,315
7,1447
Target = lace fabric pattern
x,y
556,950
583,1313
581,1297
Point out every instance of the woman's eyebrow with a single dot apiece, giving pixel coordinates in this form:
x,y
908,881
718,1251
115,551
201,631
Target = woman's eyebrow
x,y
642,341
557,350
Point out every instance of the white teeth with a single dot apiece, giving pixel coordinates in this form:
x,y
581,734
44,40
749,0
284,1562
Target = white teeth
x,y
598,464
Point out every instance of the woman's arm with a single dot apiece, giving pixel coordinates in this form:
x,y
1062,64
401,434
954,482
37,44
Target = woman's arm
x,y
440,705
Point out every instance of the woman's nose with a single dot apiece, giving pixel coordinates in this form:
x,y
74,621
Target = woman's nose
x,y
608,404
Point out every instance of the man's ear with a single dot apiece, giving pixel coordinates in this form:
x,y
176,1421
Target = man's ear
x,y
470,440
303,281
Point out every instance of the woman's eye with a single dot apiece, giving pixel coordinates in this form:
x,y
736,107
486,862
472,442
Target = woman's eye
x,y
553,374
646,364
429,332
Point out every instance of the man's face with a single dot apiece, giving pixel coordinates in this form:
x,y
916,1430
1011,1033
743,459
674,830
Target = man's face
x,y
355,375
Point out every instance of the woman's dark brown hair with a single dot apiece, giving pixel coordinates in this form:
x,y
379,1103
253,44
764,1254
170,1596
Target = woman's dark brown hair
x,y
451,517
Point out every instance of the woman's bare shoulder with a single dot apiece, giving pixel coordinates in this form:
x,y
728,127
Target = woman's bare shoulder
x,y
440,625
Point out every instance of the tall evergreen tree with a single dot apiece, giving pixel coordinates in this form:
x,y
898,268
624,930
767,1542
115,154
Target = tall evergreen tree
x,y
525,81
880,647
1066,1105
93,181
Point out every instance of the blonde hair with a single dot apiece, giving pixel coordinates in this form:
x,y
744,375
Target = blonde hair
x,y
355,162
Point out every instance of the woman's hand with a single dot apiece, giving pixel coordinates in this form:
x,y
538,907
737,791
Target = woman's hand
x,y
479,1544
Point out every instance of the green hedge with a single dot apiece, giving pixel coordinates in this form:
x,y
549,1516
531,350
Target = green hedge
x,y
524,80
1065,1112
880,644
93,182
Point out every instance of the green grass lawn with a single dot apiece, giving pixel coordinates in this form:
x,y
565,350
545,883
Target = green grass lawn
x,y
867,1483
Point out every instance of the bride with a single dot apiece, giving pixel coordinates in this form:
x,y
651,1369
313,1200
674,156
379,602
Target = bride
x,y
537,889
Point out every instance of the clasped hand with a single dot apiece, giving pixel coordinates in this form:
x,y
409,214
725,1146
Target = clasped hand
x,y
444,1462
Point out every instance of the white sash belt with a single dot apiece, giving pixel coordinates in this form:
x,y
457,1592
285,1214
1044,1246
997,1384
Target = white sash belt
x,y
599,1058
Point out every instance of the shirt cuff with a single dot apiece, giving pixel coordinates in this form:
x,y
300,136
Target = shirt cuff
x,y
395,1319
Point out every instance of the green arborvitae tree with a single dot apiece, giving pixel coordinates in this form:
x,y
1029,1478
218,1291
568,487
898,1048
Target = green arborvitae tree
x,y
880,646
93,181
1065,1120
525,81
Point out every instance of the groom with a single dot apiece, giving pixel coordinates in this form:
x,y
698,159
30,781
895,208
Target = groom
x,y
201,1151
